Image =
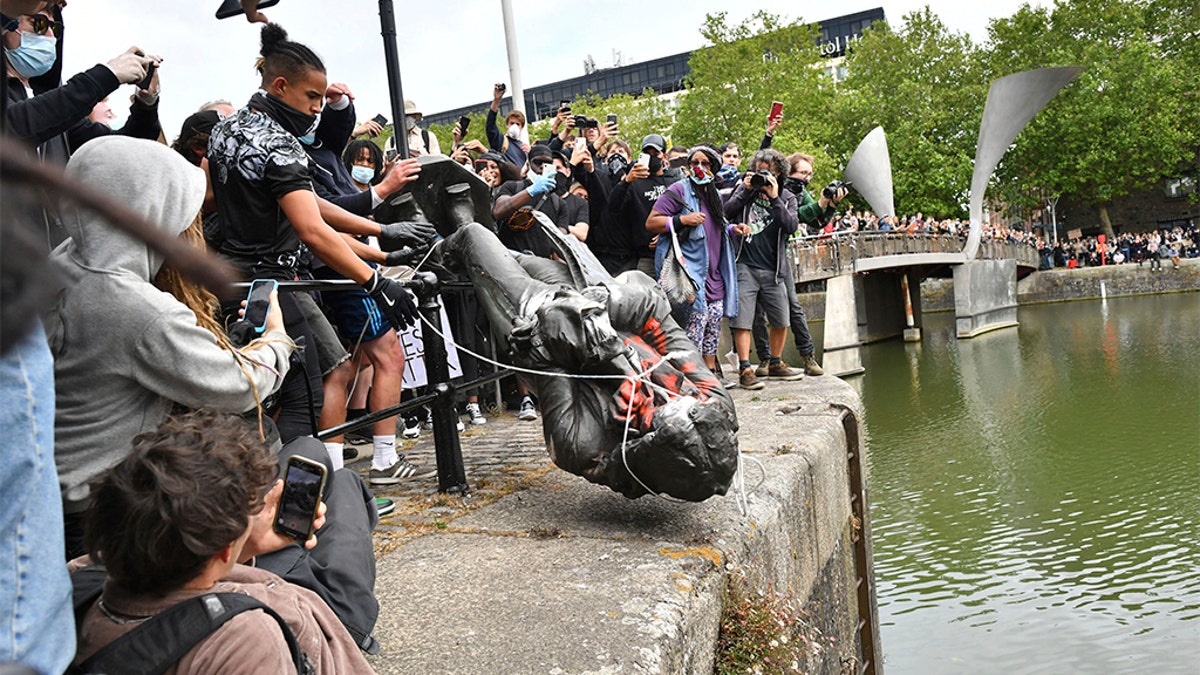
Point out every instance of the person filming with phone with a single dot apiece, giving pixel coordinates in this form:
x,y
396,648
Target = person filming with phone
x,y
199,505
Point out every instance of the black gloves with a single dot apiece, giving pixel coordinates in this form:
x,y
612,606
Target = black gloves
x,y
398,235
404,256
393,300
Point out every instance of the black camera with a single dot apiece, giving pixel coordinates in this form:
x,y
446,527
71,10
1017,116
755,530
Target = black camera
x,y
758,180
584,122
830,191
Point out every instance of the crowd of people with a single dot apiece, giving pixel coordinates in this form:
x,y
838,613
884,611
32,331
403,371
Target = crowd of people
x,y
1149,247
142,399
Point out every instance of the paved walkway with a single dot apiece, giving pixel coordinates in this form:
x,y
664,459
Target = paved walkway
x,y
502,456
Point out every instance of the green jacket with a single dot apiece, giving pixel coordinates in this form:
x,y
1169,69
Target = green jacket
x,y
810,213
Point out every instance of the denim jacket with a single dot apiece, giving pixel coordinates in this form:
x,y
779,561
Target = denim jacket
x,y
695,254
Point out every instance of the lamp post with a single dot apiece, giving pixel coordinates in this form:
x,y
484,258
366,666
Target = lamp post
x,y
1053,203
514,63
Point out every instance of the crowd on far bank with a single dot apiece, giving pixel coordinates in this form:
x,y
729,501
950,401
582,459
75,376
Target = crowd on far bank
x,y
1144,247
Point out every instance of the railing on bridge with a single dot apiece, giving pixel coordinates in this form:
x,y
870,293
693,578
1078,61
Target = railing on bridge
x,y
827,255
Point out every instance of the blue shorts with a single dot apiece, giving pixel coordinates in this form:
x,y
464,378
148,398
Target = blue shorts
x,y
353,312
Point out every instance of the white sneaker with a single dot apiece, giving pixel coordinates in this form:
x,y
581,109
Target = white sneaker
x,y
528,411
413,431
475,414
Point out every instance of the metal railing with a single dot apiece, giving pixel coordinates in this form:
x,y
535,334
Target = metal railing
x,y
440,389
827,255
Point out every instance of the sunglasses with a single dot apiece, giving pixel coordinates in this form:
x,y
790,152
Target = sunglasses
x,y
43,24
701,162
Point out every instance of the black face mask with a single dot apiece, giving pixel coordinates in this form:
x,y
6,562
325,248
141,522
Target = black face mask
x,y
794,185
617,163
293,121
561,183
656,163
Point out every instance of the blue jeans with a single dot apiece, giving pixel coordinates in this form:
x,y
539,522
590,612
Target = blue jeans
x,y
37,620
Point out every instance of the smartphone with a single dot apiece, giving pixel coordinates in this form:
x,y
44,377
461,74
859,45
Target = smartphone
x,y
644,160
612,118
564,105
581,143
549,169
391,154
503,87
145,83
380,120
463,123
776,110
480,165
302,487
258,303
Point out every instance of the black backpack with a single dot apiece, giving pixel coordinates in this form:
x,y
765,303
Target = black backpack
x,y
160,641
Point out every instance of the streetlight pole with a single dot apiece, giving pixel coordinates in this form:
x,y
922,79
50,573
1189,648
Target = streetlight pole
x,y
391,56
514,61
1053,202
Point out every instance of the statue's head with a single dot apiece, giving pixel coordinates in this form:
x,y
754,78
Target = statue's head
x,y
690,451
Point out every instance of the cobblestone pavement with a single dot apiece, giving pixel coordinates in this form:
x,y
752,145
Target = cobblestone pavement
x,y
501,456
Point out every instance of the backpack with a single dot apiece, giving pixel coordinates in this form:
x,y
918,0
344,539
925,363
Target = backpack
x,y
160,641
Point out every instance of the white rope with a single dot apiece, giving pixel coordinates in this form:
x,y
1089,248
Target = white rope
x,y
740,497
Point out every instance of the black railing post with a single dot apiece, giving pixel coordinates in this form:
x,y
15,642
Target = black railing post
x,y
452,476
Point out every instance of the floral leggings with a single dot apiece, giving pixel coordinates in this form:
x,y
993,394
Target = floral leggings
x,y
704,328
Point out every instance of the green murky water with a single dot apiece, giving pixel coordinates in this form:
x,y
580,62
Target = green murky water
x,y
1036,491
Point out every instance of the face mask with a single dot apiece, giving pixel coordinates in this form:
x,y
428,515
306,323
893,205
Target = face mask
x,y
410,123
700,176
728,173
363,175
35,56
514,130
655,164
617,163
300,125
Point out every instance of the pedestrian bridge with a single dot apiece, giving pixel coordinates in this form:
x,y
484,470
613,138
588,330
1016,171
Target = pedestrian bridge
x,y
821,257
873,285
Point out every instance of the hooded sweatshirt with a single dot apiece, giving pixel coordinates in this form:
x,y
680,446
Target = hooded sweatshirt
x,y
124,351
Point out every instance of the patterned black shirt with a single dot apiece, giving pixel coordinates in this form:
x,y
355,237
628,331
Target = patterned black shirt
x,y
253,162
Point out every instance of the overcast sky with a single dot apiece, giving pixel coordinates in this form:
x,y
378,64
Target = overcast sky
x,y
451,51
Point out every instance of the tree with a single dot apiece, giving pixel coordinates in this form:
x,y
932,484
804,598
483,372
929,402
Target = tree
x,y
741,71
925,87
1128,120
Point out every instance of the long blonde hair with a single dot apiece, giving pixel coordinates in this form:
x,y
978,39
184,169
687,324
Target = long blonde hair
x,y
206,307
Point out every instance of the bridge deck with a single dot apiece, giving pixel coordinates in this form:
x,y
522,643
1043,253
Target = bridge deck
x,y
824,256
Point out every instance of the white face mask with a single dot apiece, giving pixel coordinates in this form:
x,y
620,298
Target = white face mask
x,y
514,130
35,56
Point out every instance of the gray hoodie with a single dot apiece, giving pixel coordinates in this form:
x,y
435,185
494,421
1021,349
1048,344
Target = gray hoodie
x,y
124,351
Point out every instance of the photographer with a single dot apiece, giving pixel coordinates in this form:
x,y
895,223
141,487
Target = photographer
x,y
196,500
815,213
760,202
509,143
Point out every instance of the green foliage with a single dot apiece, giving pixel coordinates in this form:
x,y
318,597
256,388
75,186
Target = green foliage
x,y
637,116
745,68
475,131
765,632
923,85
1131,116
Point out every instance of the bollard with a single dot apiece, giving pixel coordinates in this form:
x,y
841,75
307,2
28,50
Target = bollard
x,y
452,476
